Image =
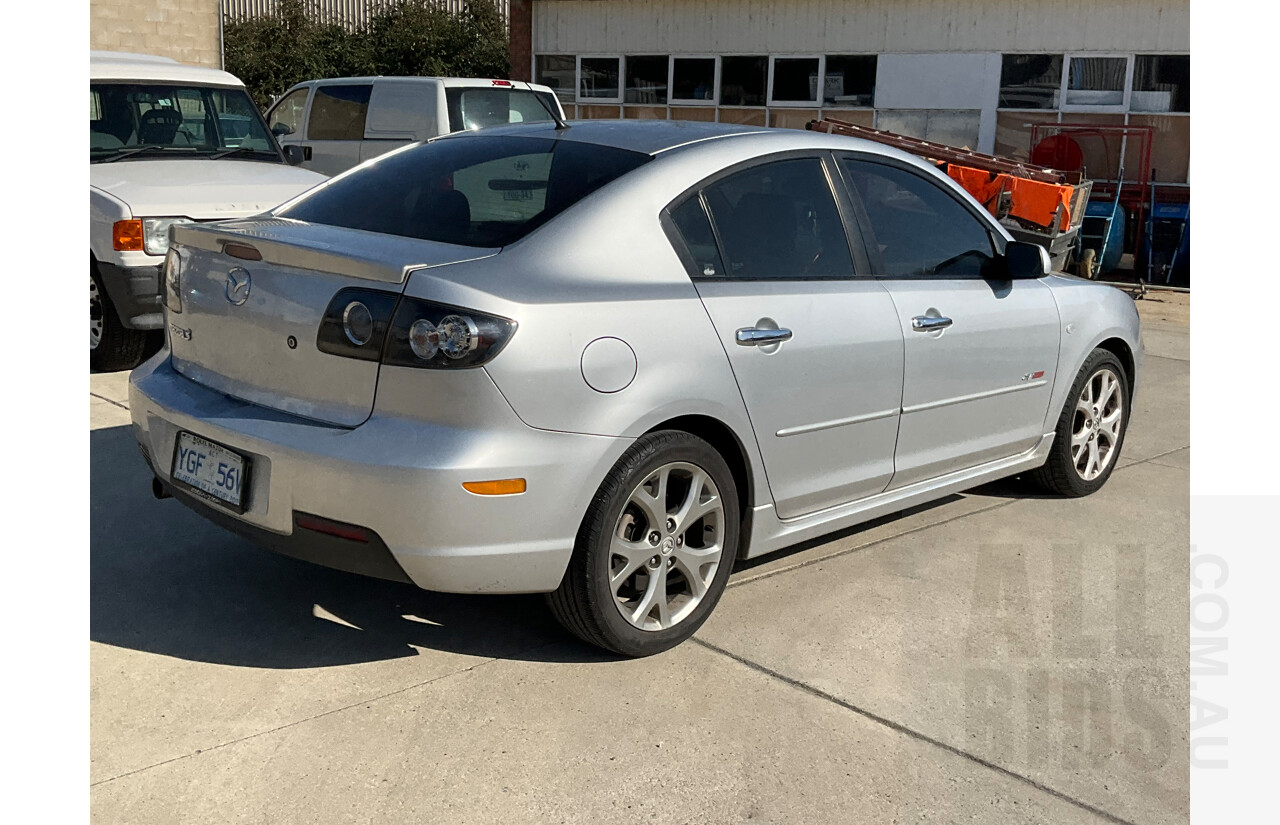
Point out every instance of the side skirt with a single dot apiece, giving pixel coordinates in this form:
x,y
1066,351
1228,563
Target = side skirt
x,y
769,533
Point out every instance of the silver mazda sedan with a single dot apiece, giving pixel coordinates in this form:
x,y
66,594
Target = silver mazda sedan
x,y
605,361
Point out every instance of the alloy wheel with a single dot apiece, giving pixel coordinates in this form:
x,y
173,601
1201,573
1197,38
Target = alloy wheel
x,y
1097,423
95,314
667,546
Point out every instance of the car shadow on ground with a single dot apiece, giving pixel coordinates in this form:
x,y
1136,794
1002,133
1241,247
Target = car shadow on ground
x,y
163,580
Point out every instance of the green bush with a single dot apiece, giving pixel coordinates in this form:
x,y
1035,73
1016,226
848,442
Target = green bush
x,y
413,37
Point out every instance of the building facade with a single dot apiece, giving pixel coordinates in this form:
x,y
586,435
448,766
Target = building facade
x,y
973,73
189,31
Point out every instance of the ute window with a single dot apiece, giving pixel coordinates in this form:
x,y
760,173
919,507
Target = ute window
x,y
481,191
477,107
147,120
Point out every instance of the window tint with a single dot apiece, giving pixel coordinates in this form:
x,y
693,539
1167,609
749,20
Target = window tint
x,y
286,117
780,220
695,231
338,112
919,229
477,190
478,107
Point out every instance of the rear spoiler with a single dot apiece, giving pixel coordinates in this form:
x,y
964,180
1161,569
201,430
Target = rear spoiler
x,y
353,253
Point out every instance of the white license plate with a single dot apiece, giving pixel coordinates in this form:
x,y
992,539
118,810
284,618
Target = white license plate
x,y
210,470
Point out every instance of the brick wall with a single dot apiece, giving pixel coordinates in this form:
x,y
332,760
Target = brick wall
x,y
186,30
520,34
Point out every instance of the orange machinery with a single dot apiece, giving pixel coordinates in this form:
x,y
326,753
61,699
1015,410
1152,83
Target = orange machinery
x,y
1034,203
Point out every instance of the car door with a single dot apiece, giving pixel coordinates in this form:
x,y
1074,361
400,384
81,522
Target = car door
x,y
814,346
335,126
980,349
401,111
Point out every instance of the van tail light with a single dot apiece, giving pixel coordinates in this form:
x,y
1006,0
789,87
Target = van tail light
x,y
410,332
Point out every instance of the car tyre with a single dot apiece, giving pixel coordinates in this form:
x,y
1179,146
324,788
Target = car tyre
x,y
112,345
1090,430
613,595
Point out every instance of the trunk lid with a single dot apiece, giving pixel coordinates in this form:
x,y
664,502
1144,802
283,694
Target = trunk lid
x,y
239,344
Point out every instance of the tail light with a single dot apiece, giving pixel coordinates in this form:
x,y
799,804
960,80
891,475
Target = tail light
x,y
172,274
410,332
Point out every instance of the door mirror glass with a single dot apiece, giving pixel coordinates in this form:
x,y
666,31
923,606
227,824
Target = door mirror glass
x,y
1026,260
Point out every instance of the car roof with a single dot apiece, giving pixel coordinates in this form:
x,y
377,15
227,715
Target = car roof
x,y
153,68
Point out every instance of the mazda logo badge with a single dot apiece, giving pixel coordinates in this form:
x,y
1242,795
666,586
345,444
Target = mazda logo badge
x,y
238,285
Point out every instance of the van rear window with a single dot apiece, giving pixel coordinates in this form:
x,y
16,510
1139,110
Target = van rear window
x,y
478,190
475,107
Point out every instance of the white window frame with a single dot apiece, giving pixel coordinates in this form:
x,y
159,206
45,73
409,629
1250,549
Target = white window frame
x,y
796,104
672,100
822,85
622,80
1119,108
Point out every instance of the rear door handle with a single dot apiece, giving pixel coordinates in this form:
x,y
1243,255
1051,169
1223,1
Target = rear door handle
x,y
929,323
756,337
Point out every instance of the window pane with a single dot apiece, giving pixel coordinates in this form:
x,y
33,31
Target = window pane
x,y
919,228
338,112
795,79
151,120
1096,81
780,221
742,80
693,78
851,80
1030,81
478,190
288,113
476,108
556,71
647,79
600,77
1161,83
698,238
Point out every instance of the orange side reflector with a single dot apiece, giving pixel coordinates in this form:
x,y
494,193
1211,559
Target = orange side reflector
x,y
126,236
505,487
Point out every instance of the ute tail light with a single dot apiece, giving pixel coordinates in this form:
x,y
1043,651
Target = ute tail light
x,y
409,332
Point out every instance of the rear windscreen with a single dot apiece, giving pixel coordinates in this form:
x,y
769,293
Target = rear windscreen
x,y
475,107
478,190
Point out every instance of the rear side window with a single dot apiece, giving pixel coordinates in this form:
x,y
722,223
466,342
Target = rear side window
x,y
920,230
481,191
339,112
478,107
780,221
695,230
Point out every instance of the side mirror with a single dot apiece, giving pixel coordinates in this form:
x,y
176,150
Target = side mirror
x,y
281,129
1026,260
293,154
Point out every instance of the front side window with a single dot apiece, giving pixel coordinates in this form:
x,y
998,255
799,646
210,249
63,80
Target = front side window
x,y
478,107
338,112
162,120
780,221
285,118
476,190
917,229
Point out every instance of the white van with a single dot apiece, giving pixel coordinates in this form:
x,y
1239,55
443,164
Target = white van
x,y
168,143
344,121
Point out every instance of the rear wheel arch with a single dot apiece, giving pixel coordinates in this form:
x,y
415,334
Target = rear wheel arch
x,y
726,442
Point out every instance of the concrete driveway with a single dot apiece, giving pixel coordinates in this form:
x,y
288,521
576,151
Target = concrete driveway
x,y
997,657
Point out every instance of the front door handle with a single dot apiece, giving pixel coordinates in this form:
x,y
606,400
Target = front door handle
x,y
929,323
756,337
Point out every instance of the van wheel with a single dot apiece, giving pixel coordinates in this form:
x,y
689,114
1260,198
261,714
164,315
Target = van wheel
x,y
654,552
112,346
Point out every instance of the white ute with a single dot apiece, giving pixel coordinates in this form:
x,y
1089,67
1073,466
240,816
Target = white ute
x,y
168,143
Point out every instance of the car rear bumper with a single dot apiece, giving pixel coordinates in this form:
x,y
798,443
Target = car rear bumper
x,y
135,292
399,480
